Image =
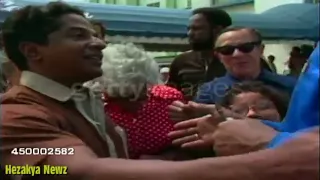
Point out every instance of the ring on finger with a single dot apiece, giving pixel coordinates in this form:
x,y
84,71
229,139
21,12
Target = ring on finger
x,y
196,136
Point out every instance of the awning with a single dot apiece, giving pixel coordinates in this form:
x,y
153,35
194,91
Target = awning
x,y
301,21
148,25
132,20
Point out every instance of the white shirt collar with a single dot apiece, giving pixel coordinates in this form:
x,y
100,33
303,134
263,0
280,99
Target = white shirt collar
x,y
46,86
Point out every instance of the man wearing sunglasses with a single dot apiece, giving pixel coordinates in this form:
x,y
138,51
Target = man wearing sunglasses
x,y
237,136
191,69
240,51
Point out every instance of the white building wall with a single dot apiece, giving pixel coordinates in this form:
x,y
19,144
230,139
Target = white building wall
x,y
262,5
121,2
245,8
199,3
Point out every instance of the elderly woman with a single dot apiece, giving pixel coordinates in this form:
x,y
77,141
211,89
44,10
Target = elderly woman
x,y
136,100
10,74
245,100
248,99
256,100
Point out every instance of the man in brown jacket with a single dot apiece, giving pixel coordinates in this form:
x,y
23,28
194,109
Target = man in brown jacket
x,y
191,69
56,49
46,121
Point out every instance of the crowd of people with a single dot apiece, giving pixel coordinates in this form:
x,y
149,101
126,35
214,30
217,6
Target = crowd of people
x,y
224,112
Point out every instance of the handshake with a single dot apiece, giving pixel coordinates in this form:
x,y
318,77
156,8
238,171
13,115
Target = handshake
x,y
203,126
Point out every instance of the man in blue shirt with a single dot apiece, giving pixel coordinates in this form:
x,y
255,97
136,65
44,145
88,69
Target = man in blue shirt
x,y
238,135
240,50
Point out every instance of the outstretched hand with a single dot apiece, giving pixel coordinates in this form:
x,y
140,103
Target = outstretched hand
x,y
179,111
194,133
197,132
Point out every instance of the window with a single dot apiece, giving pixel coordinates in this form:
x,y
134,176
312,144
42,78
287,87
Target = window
x,y
133,2
171,4
110,1
219,2
224,2
189,4
156,4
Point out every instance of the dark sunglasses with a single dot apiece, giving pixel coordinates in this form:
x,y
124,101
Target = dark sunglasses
x,y
244,48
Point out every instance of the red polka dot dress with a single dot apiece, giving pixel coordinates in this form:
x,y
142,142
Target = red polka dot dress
x,y
148,127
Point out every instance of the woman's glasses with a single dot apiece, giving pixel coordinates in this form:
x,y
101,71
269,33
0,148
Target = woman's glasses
x,y
243,109
244,48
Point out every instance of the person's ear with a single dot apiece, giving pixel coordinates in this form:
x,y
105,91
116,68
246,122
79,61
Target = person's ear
x,y
217,30
31,51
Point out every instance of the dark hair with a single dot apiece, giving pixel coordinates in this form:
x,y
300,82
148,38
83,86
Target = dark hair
x,y
215,17
257,35
271,57
3,83
280,99
101,26
296,49
1,40
265,65
306,50
32,24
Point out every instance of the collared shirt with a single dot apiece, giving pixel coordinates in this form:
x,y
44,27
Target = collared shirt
x,y
86,102
214,91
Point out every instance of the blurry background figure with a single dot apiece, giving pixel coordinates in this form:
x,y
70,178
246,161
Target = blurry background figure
x,y
256,100
306,51
3,59
136,99
165,74
273,67
298,58
10,74
296,62
99,28
3,82
295,51
264,64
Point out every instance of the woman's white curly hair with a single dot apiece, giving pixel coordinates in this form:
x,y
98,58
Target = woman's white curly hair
x,y
127,70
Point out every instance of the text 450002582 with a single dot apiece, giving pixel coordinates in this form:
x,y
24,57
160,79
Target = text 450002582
x,y
43,151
